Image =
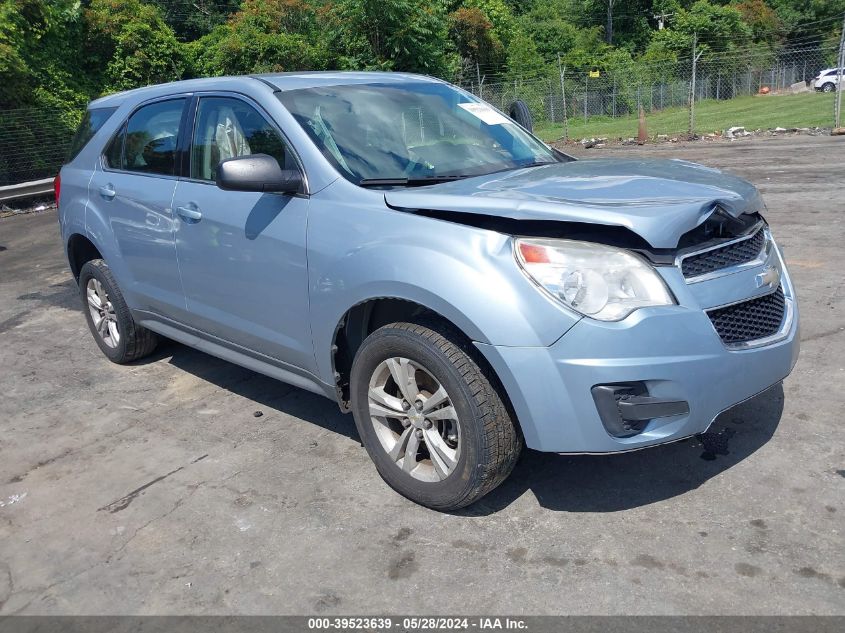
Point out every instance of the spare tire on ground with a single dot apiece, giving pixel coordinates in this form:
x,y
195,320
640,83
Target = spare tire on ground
x,y
520,113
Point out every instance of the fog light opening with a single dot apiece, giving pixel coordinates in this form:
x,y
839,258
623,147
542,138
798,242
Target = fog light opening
x,y
626,409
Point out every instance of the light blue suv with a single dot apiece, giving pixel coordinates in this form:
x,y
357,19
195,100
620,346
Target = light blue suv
x,y
393,243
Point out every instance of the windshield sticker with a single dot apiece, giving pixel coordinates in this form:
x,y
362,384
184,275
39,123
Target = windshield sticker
x,y
484,112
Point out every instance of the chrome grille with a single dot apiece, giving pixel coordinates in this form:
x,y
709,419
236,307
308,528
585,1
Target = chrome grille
x,y
729,255
750,320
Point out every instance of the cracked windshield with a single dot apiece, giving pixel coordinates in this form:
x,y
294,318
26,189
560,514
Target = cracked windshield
x,y
424,131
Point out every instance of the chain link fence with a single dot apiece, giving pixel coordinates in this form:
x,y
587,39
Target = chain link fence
x,y
738,90
755,90
33,143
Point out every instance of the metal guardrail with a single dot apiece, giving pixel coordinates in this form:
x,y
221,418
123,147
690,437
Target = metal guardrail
x,y
26,189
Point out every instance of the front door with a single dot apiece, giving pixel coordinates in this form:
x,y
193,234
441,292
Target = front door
x,y
242,254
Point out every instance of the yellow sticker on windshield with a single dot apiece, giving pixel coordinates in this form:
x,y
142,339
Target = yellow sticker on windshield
x,y
484,112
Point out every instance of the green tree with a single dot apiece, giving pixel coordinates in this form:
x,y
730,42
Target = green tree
x,y
473,36
128,44
39,43
807,19
625,24
42,91
717,29
553,33
390,35
264,36
764,22
500,15
22,23
524,60
192,19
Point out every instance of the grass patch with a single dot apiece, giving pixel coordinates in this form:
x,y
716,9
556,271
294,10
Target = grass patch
x,y
798,110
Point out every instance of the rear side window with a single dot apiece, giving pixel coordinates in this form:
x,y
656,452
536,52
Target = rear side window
x,y
114,151
147,142
92,121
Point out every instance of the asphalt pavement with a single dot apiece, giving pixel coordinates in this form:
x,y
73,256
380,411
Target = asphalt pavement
x,y
155,489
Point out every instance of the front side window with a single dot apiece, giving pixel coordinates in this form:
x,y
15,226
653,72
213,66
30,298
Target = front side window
x,y
228,128
147,142
420,130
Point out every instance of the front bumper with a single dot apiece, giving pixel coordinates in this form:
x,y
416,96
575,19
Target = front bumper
x,y
674,351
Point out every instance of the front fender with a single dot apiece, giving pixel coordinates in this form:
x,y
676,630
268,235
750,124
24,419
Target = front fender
x,y
359,249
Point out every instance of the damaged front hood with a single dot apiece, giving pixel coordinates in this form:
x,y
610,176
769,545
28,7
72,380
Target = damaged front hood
x,y
659,200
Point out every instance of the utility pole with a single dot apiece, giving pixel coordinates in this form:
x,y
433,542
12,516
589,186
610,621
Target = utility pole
x,y
838,105
661,19
609,28
586,78
480,81
695,56
562,71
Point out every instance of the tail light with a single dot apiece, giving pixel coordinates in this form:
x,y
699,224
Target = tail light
x,y
57,187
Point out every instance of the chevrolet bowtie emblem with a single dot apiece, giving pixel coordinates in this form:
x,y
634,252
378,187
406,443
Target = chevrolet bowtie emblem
x,y
770,277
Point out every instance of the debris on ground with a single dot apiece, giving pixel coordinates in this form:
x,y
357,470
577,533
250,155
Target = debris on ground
x,y
593,142
736,132
732,133
31,205
12,500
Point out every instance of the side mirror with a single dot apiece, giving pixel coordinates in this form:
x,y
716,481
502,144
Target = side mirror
x,y
257,172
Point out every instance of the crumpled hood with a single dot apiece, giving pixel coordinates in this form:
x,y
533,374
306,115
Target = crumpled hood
x,y
659,200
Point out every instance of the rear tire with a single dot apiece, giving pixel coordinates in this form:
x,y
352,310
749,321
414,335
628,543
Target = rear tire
x,y
111,324
471,443
520,113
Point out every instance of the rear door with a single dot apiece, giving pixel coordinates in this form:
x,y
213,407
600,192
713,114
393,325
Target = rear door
x,y
76,173
242,254
133,186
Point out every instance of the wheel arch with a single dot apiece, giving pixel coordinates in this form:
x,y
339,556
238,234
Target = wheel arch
x,y
80,250
367,316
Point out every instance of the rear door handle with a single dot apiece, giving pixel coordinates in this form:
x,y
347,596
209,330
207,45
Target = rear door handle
x,y
107,191
189,213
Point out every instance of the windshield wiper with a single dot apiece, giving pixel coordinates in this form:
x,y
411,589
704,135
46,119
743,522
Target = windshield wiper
x,y
407,182
433,180
538,163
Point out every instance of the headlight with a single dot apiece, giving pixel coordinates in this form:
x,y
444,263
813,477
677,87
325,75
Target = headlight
x,y
598,281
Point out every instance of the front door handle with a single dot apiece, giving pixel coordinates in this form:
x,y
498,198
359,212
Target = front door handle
x,y
189,213
108,192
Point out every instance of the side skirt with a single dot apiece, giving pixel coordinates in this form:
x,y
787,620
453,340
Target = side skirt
x,y
235,354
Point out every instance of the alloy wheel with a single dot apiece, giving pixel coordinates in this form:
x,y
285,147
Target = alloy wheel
x,y
414,419
102,312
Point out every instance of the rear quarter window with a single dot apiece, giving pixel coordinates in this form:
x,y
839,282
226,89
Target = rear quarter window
x,y
88,127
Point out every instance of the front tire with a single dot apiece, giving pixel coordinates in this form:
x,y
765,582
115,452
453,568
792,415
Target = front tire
x,y
828,87
430,417
111,324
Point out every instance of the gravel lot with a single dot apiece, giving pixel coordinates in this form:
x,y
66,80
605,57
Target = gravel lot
x,y
154,488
